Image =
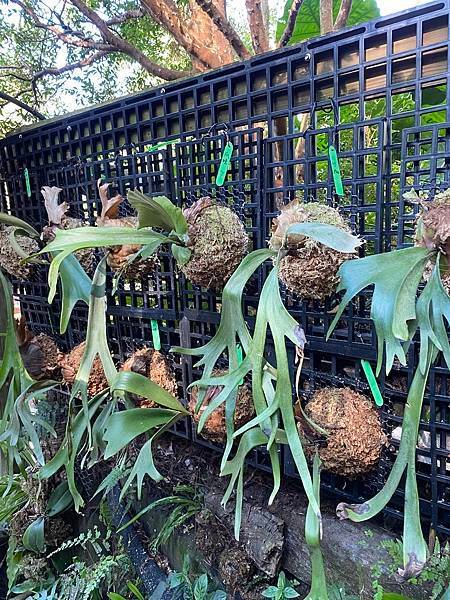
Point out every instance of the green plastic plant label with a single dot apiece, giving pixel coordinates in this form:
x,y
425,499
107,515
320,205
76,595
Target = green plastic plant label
x,y
224,163
161,145
27,182
335,169
155,335
371,379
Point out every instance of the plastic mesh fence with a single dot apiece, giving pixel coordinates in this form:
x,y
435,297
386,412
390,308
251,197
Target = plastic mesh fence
x,y
379,92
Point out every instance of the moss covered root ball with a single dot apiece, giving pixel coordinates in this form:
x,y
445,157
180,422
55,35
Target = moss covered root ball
x,y
215,427
10,260
310,269
355,436
218,242
154,365
70,364
433,232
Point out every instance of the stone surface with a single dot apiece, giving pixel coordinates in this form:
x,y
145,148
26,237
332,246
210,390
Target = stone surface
x,y
353,552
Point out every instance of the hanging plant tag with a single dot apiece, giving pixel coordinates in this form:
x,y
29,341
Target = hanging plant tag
x,y
224,163
161,145
155,335
27,182
335,169
371,379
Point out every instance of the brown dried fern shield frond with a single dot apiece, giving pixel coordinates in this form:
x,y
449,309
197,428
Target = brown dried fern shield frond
x,y
70,363
10,260
355,436
117,257
215,427
39,353
217,240
155,366
58,219
310,268
433,232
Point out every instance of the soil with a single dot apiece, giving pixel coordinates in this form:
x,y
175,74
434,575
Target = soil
x,y
182,463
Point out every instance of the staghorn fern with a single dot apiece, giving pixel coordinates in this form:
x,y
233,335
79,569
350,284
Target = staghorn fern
x,y
399,311
271,385
99,419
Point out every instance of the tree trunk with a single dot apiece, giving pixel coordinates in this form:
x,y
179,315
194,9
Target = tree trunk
x,y
258,31
326,16
198,35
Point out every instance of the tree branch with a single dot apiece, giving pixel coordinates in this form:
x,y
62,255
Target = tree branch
x,y
326,16
126,16
166,13
342,16
258,31
124,46
84,62
225,27
290,24
71,38
23,105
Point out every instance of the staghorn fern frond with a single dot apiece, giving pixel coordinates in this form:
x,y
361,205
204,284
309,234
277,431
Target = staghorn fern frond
x,y
99,418
55,211
396,277
313,535
18,418
271,385
398,313
75,284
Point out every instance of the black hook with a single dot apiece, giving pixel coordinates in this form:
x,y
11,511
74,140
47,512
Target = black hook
x,y
217,127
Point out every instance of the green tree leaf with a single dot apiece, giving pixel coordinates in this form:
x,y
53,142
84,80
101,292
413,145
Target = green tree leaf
x,y
135,591
270,592
201,587
307,25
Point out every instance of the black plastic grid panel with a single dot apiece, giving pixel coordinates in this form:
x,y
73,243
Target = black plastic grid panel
x,y
426,167
392,73
297,166
196,165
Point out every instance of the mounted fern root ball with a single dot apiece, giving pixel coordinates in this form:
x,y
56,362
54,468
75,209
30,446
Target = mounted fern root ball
x,y
309,268
433,232
10,259
39,353
355,436
215,427
217,241
70,363
154,365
